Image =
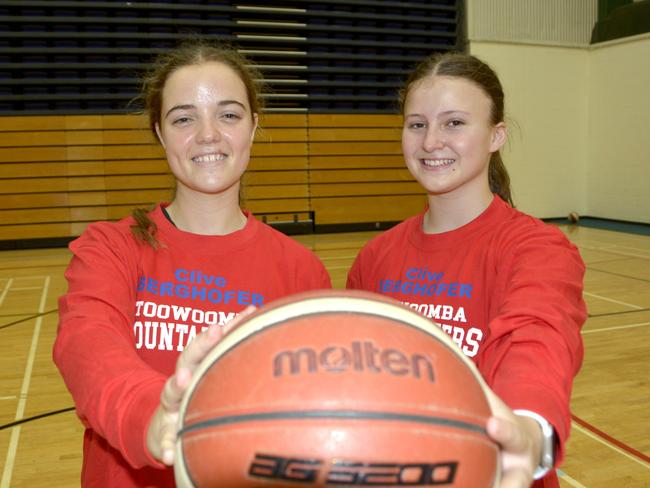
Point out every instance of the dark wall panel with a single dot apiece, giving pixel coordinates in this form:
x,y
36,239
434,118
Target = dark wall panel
x,y
84,56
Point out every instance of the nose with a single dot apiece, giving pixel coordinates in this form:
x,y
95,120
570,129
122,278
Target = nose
x,y
433,139
208,132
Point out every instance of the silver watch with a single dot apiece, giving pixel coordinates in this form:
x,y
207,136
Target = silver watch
x,y
547,457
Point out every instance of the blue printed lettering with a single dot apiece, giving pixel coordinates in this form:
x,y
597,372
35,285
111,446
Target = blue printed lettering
x,y
167,289
441,287
152,286
214,296
197,276
422,274
453,290
198,293
466,291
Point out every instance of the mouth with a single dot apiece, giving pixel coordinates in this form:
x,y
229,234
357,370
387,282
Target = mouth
x,y
209,158
437,163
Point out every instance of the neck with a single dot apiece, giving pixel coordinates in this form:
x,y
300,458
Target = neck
x,y
205,214
451,211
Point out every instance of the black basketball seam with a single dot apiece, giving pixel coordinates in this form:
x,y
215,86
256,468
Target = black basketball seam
x,y
331,414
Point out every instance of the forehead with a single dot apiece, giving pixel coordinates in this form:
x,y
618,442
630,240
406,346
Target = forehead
x,y
447,93
206,82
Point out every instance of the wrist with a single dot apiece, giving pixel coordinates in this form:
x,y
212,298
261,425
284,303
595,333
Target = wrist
x,y
152,440
547,447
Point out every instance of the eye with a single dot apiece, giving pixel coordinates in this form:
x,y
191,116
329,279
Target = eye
x,y
416,125
181,120
455,123
231,116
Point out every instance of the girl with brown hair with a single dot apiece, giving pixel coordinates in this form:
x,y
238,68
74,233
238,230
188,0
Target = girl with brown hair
x,y
149,296
504,285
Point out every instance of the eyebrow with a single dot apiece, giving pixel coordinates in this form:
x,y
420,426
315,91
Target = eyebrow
x,y
441,114
190,106
449,112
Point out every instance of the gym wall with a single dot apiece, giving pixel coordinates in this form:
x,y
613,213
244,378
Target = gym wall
x,y
578,112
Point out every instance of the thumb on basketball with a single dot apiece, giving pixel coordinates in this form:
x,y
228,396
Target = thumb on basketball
x,y
203,344
233,324
161,433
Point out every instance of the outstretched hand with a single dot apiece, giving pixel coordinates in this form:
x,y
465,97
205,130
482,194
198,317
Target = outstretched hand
x,y
520,440
161,434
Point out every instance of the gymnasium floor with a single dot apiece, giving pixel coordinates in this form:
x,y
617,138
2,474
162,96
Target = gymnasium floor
x,y
40,436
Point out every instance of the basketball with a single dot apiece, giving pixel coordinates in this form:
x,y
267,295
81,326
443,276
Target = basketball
x,y
335,388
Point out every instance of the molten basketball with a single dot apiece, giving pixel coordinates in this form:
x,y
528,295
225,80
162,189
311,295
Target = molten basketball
x,y
335,388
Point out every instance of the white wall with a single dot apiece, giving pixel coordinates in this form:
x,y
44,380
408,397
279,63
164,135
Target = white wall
x,y
546,111
618,150
579,113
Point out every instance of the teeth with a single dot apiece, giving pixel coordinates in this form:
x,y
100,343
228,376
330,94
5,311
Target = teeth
x,y
209,158
437,162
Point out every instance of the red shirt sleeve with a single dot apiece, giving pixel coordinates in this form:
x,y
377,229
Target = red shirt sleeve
x,y
359,275
115,392
534,347
317,278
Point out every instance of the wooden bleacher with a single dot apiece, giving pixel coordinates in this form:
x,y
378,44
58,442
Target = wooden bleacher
x,y
58,173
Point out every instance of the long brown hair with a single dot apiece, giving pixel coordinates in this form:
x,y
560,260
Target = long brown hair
x,y
190,52
471,68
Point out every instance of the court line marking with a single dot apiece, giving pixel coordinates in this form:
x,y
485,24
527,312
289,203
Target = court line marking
x,y
23,288
565,477
612,300
607,440
36,417
593,267
618,314
20,410
6,290
12,397
25,318
28,277
618,327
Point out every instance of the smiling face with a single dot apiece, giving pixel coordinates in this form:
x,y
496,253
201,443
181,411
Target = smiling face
x,y
206,128
448,136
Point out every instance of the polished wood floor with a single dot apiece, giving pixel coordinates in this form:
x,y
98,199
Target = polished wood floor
x,y
610,443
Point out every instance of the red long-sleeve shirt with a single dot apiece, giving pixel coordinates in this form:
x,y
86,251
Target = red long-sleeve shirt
x,y
130,310
507,288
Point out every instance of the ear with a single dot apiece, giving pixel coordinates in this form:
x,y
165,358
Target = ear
x,y
499,136
159,134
